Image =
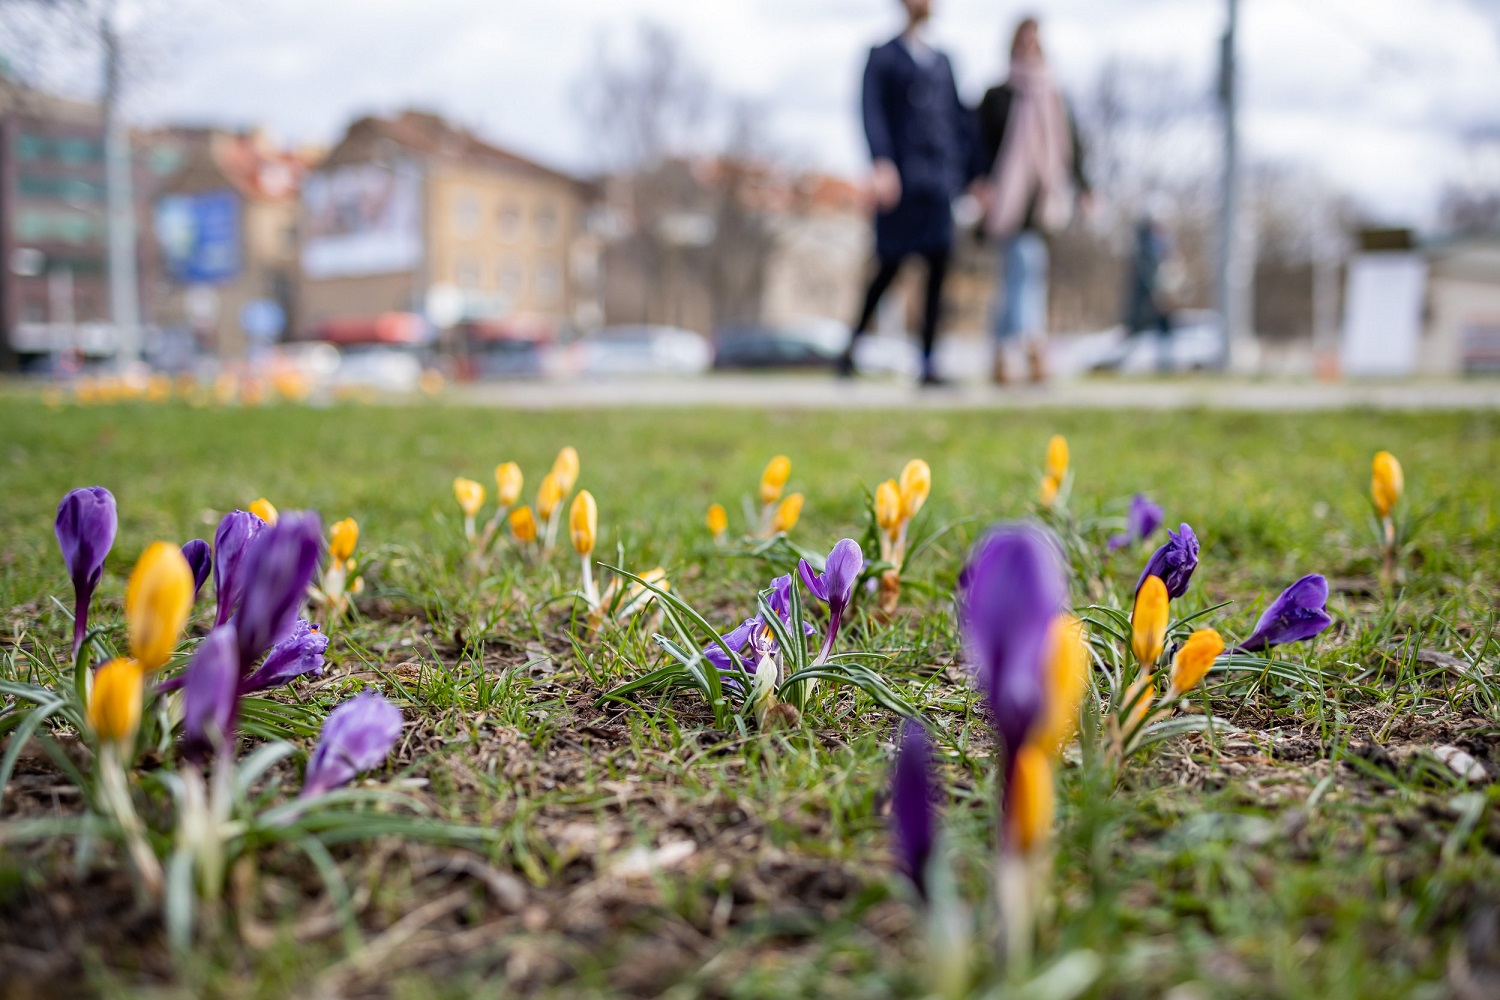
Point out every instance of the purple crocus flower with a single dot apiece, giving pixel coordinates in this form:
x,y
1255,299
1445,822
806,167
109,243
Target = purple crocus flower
x,y
299,653
200,561
1301,612
232,543
356,737
834,586
85,530
1141,522
1174,562
275,575
756,634
211,694
1013,589
912,821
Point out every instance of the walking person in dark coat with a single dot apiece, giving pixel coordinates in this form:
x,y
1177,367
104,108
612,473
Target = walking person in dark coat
x,y
1148,306
921,148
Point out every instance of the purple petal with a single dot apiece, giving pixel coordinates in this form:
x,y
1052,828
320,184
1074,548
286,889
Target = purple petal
x,y
211,693
1119,541
912,820
299,653
276,573
238,530
199,560
1300,612
781,595
1144,518
1015,588
814,583
85,530
1174,562
357,736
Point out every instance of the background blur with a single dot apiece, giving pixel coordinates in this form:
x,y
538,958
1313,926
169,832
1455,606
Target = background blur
x,y
358,192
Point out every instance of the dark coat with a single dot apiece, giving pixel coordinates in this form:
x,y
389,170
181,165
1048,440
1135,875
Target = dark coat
x,y
993,116
914,118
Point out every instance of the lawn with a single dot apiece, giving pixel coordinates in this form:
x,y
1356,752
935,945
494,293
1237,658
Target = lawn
x,y
528,835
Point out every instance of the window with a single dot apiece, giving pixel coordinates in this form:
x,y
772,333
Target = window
x,y
468,273
31,147
546,225
510,221
511,276
548,282
466,213
77,150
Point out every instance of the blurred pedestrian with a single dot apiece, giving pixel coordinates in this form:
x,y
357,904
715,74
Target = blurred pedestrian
x,y
921,141
1150,292
1032,154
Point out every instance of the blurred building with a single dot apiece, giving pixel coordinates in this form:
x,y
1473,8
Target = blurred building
x,y
416,215
224,233
821,249
1462,330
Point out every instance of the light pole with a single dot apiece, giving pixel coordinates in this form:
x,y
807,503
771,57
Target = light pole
x,y
124,304
1236,264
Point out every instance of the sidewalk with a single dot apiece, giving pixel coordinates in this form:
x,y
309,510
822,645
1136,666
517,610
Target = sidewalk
x,y
821,392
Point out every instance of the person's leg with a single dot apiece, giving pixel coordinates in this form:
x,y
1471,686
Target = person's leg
x,y
1163,342
937,272
1009,311
1035,302
885,273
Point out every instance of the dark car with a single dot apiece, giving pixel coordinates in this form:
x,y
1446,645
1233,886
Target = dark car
x,y
760,347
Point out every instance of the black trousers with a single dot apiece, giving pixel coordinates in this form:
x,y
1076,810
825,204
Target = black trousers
x,y
937,271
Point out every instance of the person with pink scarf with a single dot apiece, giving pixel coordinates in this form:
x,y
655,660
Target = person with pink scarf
x,y
1034,162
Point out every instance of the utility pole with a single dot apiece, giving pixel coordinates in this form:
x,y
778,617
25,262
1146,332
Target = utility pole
x,y
124,304
1236,263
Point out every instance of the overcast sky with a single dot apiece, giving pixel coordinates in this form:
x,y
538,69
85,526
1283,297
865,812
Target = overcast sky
x,y
1374,94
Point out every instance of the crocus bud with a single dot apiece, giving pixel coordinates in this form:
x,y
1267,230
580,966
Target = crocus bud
x,y
85,530
1194,658
157,601
888,506
1148,623
469,494
1057,458
912,819
549,495
357,736
277,572
1300,612
1065,678
565,468
1048,492
264,510
199,560
1174,562
237,533
583,522
211,693
342,538
787,513
773,480
1030,802
508,481
916,483
115,701
301,652
717,520
523,524
1386,483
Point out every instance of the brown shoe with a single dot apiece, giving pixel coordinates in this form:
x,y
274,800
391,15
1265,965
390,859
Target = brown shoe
x,y
1036,355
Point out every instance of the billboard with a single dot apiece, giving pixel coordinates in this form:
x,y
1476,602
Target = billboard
x,y
199,235
362,218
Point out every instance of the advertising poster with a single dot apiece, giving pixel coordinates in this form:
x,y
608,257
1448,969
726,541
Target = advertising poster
x,y
361,218
199,236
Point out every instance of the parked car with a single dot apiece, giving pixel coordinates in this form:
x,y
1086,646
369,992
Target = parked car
x,y
765,347
641,350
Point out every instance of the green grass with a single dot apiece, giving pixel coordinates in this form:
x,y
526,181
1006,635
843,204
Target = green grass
x,y
1272,862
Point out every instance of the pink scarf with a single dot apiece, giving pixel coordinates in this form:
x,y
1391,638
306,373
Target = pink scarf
x,y
1034,156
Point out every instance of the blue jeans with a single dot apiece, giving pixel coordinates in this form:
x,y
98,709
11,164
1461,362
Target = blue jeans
x,y
1022,309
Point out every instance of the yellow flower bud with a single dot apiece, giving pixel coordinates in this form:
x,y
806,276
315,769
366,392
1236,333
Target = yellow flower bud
x,y
1057,458
1148,622
342,538
1386,483
1048,494
787,513
1194,658
158,599
1066,678
773,480
888,506
263,509
469,494
583,522
508,482
565,468
717,519
1030,799
548,496
916,483
115,702
523,524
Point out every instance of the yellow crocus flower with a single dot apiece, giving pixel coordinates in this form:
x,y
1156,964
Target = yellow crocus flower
x,y
1048,494
1148,622
523,524
158,599
717,520
787,513
342,538
583,522
469,494
565,468
1386,483
1194,658
508,482
1066,677
264,510
1030,800
916,483
1057,458
888,507
115,702
773,479
549,495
